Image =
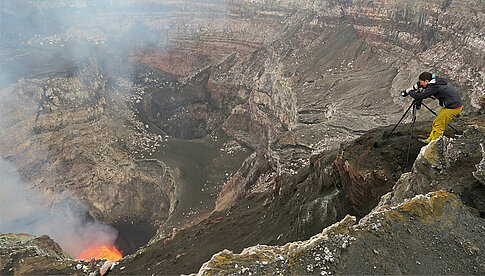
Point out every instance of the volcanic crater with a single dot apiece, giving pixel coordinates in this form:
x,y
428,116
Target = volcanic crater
x,y
194,127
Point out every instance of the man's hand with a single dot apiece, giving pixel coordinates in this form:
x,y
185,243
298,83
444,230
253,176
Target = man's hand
x,y
405,93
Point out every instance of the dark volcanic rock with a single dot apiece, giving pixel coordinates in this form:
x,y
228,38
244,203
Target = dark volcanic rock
x,y
430,234
297,207
415,233
256,174
368,166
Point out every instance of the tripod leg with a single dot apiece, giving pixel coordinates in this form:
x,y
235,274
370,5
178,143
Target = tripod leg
x,y
411,136
404,115
437,115
430,110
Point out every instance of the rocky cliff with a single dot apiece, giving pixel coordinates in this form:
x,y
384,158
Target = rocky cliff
x,y
413,230
71,133
421,236
419,230
305,93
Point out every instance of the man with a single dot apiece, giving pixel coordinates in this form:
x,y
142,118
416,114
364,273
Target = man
x,y
449,99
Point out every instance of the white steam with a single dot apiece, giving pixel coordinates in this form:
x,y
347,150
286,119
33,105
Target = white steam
x,y
26,211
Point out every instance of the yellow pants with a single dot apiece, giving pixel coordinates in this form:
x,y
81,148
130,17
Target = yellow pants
x,y
441,121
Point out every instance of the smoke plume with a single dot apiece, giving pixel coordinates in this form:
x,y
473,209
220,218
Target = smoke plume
x,y
41,38
26,211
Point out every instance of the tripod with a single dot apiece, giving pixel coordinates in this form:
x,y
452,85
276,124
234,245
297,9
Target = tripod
x,y
415,105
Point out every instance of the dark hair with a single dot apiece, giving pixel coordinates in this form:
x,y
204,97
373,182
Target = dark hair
x,y
426,76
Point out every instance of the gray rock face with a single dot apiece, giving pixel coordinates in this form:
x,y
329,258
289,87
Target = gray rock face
x,y
255,175
67,133
25,254
430,234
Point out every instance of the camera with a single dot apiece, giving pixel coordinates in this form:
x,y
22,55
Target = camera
x,y
418,86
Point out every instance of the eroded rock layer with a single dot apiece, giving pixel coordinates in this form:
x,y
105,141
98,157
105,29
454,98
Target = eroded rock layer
x,y
72,134
421,236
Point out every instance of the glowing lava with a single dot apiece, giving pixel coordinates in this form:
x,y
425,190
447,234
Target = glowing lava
x,y
101,252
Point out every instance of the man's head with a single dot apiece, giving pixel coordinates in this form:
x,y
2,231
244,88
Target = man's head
x,y
424,78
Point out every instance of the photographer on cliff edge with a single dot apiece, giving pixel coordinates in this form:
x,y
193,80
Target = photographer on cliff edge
x,y
431,86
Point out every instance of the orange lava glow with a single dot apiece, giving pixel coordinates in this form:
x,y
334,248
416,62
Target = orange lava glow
x,y
101,252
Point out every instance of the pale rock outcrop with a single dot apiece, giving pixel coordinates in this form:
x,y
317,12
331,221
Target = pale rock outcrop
x,y
446,163
479,174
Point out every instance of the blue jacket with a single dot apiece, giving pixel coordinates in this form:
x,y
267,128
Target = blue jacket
x,y
441,90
